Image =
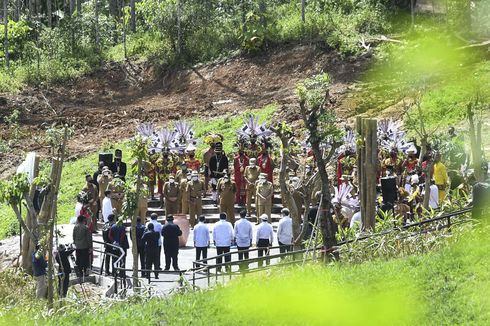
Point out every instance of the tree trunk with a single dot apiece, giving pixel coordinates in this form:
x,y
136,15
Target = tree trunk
x,y
97,28
133,15
327,224
367,159
79,8
262,10
303,5
179,31
134,239
475,141
286,194
49,13
54,211
5,34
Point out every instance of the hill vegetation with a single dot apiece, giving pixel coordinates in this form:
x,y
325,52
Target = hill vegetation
x,y
449,286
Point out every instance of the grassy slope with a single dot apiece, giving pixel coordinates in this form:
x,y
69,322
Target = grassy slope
x,y
74,171
447,287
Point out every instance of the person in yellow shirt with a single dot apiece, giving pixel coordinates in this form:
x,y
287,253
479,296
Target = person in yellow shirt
x,y
440,177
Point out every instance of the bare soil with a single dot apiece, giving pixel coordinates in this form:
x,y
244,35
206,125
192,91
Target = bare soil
x,y
107,105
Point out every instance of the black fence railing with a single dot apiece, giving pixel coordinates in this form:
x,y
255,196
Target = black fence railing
x,y
203,269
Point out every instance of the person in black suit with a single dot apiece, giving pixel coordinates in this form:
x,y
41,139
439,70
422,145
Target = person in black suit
x,y
118,166
171,233
217,164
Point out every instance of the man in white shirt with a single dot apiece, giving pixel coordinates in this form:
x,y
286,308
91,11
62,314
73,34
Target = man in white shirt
x,y
285,232
222,237
243,236
157,227
264,238
434,196
106,206
201,238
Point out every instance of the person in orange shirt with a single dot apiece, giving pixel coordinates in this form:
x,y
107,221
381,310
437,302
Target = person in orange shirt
x,y
193,164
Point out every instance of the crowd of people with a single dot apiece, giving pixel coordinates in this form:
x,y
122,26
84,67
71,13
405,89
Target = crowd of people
x,y
244,182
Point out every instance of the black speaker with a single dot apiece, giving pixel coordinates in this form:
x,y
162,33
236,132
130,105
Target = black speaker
x,y
389,189
106,158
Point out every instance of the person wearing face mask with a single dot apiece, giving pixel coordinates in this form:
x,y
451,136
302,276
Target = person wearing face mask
x,y
253,149
251,175
217,164
264,194
183,194
207,157
192,162
164,167
240,162
195,192
103,179
171,195
179,176
93,203
264,161
118,166
226,191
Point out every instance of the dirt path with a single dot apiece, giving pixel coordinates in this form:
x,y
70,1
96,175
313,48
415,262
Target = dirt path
x,y
107,105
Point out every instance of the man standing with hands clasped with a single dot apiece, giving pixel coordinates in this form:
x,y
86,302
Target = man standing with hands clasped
x,y
222,236
201,238
243,236
171,233
285,232
264,238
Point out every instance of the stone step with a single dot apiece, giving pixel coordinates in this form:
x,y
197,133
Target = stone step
x,y
211,209
206,201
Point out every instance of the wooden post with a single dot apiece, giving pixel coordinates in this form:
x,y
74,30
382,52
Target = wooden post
x,y
367,154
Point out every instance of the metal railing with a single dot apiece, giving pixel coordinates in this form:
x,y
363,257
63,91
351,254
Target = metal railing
x,y
202,269
203,265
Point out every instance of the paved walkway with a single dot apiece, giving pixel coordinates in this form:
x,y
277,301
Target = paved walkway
x,y
168,282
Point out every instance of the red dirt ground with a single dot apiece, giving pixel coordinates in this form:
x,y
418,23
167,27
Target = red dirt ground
x,y
107,105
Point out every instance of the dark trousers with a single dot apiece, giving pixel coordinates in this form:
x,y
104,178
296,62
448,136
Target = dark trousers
x,y
243,255
157,261
82,260
284,247
63,283
141,254
151,257
171,254
201,251
107,261
219,260
263,245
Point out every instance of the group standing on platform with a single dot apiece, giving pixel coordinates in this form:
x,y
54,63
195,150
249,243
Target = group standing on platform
x,y
245,181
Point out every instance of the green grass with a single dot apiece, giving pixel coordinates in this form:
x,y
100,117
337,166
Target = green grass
x,y
73,175
446,287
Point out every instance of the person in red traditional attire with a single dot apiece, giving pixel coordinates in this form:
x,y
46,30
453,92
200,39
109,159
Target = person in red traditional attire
x,y
264,161
240,162
193,164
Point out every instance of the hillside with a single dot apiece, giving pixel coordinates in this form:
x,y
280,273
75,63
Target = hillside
x,y
104,107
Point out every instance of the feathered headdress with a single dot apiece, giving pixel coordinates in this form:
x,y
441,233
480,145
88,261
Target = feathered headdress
x,y
212,138
164,141
349,143
253,129
147,130
184,135
391,135
343,196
